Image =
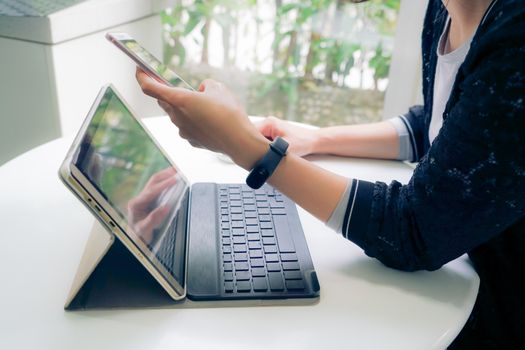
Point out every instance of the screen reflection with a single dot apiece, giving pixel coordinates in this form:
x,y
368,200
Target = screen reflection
x,y
120,159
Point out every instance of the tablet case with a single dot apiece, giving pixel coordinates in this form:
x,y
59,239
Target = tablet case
x,y
109,276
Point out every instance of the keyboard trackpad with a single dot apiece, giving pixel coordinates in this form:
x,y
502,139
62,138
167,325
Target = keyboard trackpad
x,y
203,249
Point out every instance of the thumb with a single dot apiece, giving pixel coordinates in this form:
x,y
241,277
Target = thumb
x,y
160,91
268,128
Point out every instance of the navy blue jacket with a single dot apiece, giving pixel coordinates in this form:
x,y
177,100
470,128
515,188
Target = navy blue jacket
x,y
467,194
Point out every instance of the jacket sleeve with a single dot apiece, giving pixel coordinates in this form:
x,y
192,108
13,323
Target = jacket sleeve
x,y
470,185
415,125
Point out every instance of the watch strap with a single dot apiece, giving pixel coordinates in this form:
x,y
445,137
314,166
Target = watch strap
x,y
265,167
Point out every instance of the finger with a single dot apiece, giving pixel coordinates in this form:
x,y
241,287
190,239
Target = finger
x,y
267,127
209,85
160,91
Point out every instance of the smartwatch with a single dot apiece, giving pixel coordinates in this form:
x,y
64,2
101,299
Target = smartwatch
x,y
266,166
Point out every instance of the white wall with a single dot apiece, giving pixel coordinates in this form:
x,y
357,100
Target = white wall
x,y
47,90
28,104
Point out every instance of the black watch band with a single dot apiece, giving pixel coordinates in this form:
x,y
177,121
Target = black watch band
x,y
264,168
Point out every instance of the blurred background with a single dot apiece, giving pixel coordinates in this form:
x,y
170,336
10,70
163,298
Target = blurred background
x,y
321,62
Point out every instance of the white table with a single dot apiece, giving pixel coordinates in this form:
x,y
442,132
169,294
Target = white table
x,y
363,304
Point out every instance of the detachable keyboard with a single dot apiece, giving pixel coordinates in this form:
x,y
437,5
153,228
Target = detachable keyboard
x,y
258,251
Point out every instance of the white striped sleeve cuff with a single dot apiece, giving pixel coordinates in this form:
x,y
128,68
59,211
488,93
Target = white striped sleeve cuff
x,y
406,148
335,222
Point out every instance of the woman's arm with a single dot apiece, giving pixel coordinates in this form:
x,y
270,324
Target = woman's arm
x,y
374,140
212,118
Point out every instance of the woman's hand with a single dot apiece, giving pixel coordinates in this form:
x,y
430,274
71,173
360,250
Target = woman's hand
x,y
210,118
302,140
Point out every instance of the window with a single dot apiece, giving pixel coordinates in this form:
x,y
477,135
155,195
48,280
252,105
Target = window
x,y
322,62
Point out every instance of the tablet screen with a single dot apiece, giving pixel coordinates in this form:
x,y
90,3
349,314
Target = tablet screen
x,y
150,194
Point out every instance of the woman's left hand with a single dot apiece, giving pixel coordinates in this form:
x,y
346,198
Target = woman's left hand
x,y
210,118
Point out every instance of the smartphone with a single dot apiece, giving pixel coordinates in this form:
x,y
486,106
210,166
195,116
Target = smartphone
x,y
146,61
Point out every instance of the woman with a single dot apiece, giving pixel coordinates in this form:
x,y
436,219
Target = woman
x,y
467,194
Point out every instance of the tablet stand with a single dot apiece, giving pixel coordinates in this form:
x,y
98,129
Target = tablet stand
x,y
109,276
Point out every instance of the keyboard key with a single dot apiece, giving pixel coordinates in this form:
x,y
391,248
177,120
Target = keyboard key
x,y
289,257
238,232
235,197
226,241
227,258
237,224
293,275
226,248
278,211
225,233
239,248
259,284
225,218
250,214
228,267
252,229
237,217
283,234
242,275
228,287
268,241
291,265
252,222
248,200
234,204
262,204
270,249
256,253
272,258
257,262
254,245
266,225
253,237
239,240
224,205
261,197
228,276
241,257
294,284
258,272
265,218
275,204
267,233
276,281
241,266
224,211
236,210
264,211
225,225
249,207
244,286
273,266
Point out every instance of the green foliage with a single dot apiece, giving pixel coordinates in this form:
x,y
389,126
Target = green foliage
x,y
306,46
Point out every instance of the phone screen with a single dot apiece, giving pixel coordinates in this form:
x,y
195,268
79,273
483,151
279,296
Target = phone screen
x,y
160,68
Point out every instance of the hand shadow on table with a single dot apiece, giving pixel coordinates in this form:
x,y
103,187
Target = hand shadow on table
x,y
443,285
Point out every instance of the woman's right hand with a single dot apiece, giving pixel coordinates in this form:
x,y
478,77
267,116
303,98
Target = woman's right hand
x,y
302,140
